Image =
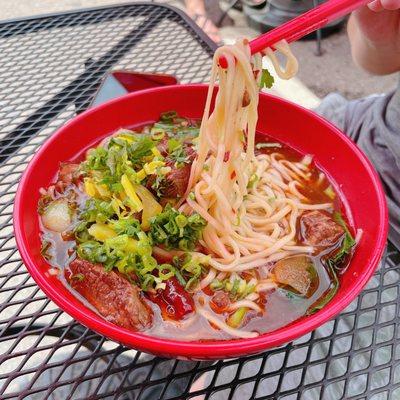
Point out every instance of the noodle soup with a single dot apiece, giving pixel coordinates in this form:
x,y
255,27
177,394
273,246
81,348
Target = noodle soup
x,y
170,290
199,231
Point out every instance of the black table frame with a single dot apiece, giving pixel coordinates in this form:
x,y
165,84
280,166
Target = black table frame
x,y
46,354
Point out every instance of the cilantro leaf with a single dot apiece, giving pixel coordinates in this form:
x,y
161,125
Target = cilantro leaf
x,y
267,80
141,148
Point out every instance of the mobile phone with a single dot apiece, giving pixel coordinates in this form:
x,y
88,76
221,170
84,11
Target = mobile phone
x,y
118,83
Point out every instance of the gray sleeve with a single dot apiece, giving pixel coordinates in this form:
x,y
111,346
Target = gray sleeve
x,y
374,124
333,108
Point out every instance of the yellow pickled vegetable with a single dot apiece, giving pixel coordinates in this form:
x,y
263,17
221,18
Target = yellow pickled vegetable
x,y
131,245
101,232
156,152
90,187
126,135
151,207
236,319
103,191
130,192
97,190
141,175
151,167
117,205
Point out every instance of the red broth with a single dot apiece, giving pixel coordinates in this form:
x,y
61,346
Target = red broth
x,y
280,306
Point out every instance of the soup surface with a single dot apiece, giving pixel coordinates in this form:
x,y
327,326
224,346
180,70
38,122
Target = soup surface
x,y
118,229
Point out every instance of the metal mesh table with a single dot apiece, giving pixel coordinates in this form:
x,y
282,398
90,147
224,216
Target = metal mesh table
x,y
49,69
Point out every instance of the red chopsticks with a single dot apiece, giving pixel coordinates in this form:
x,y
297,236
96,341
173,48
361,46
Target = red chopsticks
x,y
304,24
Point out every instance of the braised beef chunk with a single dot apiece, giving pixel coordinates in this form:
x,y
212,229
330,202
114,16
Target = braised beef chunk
x,y
319,229
190,153
67,175
114,297
68,172
175,182
162,146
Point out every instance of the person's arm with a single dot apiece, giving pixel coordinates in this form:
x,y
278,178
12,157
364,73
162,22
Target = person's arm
x,y
374,33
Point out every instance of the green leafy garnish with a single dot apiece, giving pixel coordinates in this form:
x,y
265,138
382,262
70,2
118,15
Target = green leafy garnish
x,y
236,319
159,185
267,80
330,192
140,149
97,210
110,229
176,127
334,264
189,270
324,300
118,157
44,250
177,152
252,181
78,277
237,291
175,230
348,243
126,226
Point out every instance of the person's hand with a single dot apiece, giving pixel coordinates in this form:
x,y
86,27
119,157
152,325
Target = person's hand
x,y
374,32
379,21
380,5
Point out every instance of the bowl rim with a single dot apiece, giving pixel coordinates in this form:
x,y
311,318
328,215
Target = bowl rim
x,y
197,350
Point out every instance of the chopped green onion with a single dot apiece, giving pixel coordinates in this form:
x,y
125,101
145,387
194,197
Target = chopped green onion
x,y
235,287
157,133
330,192
181,220
216,284
236,319
173,144
44,251
180,278
78,277
166,271
252,181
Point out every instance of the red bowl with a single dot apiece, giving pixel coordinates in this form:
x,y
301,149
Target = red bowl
x,y
348,169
